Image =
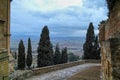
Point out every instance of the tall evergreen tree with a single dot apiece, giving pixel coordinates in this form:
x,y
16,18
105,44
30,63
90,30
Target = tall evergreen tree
x,y
89,43
29,54
96,49
21,56
57,55
64,56
15,55
90,36
45,51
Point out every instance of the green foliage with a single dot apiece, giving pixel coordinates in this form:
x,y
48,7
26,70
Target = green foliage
x,y
88,45
96,49
29,54
57,55
90,37
45,51
91,45
72,57
110,4
15,55
64,56
21,56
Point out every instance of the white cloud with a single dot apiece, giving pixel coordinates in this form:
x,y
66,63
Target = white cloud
x,y
82,33
49,5
60,15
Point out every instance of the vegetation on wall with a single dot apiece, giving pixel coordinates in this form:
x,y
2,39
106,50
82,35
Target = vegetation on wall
x,y
110,4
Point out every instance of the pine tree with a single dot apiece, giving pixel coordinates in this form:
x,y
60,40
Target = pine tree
x,y
57,55
45,51
29,54
89,43
21,56
64,56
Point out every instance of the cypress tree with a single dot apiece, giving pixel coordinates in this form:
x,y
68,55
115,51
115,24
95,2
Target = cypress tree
x,y
90,36
45,51
64,56
21,56
89,43
15,55
57,55
29,54
96,49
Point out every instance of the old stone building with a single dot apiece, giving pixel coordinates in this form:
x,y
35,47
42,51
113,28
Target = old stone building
x,y
4,38
109,37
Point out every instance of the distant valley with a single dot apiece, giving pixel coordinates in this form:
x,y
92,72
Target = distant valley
x,y
74,44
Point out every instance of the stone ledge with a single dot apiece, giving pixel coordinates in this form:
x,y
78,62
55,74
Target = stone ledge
x,y
3,54
38,71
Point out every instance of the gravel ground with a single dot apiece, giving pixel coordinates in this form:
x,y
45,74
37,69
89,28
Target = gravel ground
x,y
86,74
63,74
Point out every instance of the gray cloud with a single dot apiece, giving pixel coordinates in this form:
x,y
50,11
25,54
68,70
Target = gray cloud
x,y
72,19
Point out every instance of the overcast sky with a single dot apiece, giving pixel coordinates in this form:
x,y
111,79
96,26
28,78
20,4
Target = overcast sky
x,y
63,17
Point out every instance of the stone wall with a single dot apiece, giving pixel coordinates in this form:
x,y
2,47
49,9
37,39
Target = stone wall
x,y
5,24
115,57
109,37
5,29
3,65
4,38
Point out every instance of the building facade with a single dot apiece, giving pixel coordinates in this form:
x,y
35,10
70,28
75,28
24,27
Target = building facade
x,y
4,38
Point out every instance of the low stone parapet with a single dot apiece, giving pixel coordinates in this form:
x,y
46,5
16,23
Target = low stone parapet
x,y
42,70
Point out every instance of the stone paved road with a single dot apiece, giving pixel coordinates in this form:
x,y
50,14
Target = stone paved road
x,y
62,74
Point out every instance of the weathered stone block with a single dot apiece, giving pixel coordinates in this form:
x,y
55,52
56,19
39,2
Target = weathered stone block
x,y
4,65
